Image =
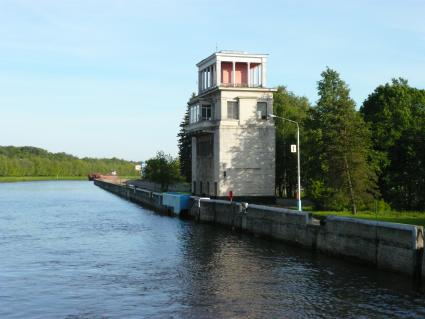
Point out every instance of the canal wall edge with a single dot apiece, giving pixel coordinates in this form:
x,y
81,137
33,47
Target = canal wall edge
x,y
146,198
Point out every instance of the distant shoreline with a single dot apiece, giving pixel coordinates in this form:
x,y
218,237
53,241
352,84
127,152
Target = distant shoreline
x,y
13,179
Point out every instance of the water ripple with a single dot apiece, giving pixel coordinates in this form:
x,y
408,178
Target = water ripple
x,y
71,250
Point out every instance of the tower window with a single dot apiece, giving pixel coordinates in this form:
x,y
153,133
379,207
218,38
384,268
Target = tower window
x,y
204,145
262,110
206,112
194,114
200,113
232,110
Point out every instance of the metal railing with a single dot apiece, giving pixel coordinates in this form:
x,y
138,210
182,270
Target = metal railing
x,y
232,85
241,85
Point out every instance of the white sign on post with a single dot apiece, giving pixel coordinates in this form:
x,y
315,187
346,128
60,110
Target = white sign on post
x,y
138,167
293,148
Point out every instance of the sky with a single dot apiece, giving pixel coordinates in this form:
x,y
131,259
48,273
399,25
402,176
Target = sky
x,y
111,78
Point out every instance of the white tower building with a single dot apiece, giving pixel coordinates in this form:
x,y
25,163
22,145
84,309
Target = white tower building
x,y
233,139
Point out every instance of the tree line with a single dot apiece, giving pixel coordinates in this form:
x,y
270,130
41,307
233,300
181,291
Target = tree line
x,y
33,161
350,159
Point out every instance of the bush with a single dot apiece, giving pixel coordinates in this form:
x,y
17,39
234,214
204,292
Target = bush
x,y
163,169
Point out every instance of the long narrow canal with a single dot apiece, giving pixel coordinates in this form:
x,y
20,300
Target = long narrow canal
x,y
72,250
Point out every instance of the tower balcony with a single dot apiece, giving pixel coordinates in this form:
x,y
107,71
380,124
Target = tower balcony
x,y
201,118
201,127
241,85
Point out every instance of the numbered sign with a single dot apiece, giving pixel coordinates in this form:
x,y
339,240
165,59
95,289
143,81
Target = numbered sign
x,y
293,148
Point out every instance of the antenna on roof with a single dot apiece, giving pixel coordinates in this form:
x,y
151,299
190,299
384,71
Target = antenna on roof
x,y
216,47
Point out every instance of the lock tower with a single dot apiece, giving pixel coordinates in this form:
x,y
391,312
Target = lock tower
x,y
233,138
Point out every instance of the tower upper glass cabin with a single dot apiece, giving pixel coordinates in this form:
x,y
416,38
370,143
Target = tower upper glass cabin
x,y
232,69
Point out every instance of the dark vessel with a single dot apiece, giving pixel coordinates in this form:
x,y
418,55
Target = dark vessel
x,y
93,176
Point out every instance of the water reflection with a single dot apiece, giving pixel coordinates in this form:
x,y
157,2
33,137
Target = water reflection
x,y
242,276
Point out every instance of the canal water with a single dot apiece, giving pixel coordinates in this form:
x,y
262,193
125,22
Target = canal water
x,y
71,250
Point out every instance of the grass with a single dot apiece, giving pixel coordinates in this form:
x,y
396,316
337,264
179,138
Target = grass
x,y
413,218
401,217
10,179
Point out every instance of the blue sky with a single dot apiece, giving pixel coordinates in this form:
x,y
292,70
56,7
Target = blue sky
x,y
112,78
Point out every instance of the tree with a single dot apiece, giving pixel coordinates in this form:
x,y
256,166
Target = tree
x,y
396,114
406,172
341,175
185,148
286,104
162,169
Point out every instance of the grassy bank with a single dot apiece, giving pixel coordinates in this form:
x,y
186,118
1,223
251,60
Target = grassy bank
x,y
11,179
414,218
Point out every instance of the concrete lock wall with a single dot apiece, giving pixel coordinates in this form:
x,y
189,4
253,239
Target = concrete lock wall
x,y
280,223
155,187
274,222
387,246
146,198
390,246
423,266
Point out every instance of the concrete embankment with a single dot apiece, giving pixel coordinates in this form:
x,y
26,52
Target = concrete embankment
x,y
151,200
387,246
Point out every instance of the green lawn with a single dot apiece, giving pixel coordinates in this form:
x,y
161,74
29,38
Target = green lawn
x,y
414,218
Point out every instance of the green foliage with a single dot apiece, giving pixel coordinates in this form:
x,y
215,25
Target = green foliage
x,y
317,192
163,169
381,206
396,113
32,161
185,148
406,173
287,105
338,146
390,108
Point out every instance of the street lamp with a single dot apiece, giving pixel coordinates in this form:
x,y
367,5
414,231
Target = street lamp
x,y
298,158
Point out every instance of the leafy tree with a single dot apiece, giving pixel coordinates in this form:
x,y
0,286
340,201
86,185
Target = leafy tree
x,y
162,169
185,148
406,172
339,145
396,114
286,104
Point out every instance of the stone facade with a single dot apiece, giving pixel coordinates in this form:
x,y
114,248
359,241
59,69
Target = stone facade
x,y
233,139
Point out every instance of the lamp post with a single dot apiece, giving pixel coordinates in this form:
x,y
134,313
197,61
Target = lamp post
x,y
298,158
142,167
